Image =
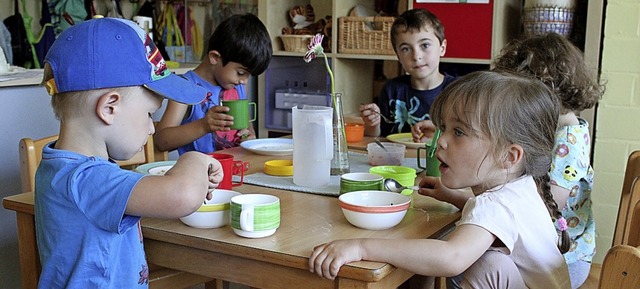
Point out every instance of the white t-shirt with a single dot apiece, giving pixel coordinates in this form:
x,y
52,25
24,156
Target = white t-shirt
x,y
517,216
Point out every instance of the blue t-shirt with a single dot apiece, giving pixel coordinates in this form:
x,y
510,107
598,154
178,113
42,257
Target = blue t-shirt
x,y
405,105
84,238
209,142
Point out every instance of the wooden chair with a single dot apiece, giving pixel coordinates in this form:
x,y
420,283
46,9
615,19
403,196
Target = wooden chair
x,y
31,153
628,200
159,277
621,268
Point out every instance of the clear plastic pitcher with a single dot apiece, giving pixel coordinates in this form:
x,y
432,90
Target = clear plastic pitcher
x,y
312,145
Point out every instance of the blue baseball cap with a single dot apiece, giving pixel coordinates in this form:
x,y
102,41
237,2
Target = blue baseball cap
x,y
112,52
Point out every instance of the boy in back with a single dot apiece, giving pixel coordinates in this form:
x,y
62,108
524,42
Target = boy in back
x,y
106,78
238,48
418,39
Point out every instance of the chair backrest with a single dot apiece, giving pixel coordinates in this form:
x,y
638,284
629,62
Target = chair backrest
x,y
628,199
31,153
632,230
621,268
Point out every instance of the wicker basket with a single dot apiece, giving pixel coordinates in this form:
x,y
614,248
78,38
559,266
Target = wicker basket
x,y
296,43
541,20
365,35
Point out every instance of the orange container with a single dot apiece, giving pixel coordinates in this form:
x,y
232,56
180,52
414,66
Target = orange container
x,y
354,132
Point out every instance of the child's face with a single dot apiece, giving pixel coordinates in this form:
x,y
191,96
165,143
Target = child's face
x,y
419,52
134,124
231,75
465,156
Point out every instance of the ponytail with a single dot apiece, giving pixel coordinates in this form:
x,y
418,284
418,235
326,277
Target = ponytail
x,y
564,242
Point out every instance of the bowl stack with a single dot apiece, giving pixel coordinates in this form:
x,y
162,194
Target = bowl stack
x,y
544,16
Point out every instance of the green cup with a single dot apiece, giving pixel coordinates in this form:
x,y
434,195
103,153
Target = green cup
x,y
432,166
406,176
255,215
351,182
239,109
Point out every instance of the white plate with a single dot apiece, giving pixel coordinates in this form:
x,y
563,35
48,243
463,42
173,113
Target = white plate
x,y
405,139
155,168
269,146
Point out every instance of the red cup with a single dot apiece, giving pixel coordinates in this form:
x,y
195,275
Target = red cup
x,y
230,168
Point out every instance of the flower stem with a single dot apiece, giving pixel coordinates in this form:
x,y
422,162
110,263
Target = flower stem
x,y
333,89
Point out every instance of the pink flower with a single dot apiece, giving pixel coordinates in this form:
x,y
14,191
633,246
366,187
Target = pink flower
x,y
315,49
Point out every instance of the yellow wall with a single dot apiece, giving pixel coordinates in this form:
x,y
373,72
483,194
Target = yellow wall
x,y
618,114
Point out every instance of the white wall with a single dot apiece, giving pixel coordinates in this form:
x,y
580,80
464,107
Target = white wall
x,y
25,112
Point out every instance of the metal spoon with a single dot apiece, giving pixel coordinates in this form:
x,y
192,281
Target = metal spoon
x,y
393,186
380,145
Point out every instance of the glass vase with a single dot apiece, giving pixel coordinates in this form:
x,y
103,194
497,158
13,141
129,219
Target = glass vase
x,y
340,161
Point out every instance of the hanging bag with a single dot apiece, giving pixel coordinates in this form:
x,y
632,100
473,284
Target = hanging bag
x,y
20,46
172,36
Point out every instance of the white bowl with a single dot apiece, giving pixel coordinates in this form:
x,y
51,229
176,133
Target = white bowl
x,y
374,210
213,214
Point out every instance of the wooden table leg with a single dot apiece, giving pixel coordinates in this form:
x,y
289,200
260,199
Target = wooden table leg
x,y
29,258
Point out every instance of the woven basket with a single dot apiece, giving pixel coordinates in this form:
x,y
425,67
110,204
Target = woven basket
x,y
365,35
296,43
541,20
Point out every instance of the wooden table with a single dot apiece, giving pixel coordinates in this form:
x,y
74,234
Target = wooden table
x,y
278,261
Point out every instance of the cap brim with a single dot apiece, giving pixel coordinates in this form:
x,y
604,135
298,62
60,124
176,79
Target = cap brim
x,y
178,88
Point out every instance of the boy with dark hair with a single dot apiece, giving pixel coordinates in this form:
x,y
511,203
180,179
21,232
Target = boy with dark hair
x,y
238,48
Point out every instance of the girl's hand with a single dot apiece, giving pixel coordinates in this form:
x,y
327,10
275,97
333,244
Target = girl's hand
x,y
433,187
217,119
370,114
245,134
422,131
326,259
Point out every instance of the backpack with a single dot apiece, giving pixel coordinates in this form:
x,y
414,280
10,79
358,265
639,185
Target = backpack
x,y
20,46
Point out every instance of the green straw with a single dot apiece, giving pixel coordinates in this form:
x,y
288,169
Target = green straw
x,y
433,145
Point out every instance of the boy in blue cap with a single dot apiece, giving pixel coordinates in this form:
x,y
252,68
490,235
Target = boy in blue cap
x,y
106,79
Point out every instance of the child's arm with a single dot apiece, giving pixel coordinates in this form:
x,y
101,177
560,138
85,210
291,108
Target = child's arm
x,y
370,118
560,195
432,187
427,257
179,192
170,135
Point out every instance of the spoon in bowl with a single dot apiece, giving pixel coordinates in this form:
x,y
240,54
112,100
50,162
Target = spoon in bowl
x,y
394,186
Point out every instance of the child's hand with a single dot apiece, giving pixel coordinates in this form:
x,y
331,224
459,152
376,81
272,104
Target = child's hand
x,y
215,175
217,119
433,187
430,187
326,259
245,134
370,114
423,130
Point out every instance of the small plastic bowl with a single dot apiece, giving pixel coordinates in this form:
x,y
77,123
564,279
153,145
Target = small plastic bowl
x,y
393,156
279,167
354,132
213,214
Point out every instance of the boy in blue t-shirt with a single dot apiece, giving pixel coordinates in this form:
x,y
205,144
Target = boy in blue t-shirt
x,y
238,48
106,78
418,39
